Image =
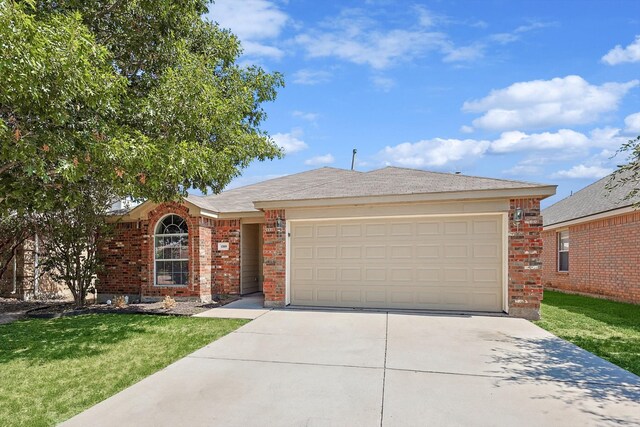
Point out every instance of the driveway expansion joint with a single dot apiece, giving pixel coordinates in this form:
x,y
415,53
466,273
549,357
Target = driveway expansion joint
x,y
285,362
384,371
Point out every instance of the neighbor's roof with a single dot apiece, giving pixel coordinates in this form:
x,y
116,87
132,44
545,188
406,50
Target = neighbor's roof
x,y
241,199
591,200
392,181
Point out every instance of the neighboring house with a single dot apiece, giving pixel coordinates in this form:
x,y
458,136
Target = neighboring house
x,y
388,238
24,279
592,244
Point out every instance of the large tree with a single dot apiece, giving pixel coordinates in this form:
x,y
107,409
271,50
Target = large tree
x,y
145,96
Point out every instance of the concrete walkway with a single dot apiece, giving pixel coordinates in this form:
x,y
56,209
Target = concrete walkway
x,y
315,368
249,307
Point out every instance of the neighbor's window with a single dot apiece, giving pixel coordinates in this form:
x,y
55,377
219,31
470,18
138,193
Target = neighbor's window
x,y
563,251
172,251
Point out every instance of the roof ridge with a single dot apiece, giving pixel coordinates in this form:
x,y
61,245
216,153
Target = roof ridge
x,y
208,196
584,189
458,174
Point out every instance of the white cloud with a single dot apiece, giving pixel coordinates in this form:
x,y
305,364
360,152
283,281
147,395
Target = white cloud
x,y
377,49
523,169
465,53
258,49
290,142
327,159
385,84
435,152
619,54
255,22
519,141
563,142
466,129
632,123
311,77
515,35
310,117
560,101
583,172
355,37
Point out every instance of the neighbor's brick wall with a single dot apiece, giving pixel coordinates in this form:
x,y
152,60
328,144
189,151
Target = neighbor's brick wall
x,y
524,260
6,282
27,287
274,251
604,259
226,264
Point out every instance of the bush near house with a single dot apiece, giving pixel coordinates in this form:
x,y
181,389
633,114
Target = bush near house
x,y
607,329
51,370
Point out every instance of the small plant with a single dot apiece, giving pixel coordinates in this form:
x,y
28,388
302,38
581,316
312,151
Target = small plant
x,y
168,303
119,301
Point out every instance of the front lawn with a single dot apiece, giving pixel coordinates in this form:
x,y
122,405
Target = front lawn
x,y
51,370
608,329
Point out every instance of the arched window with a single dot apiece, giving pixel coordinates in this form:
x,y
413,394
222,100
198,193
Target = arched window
x,y
172,252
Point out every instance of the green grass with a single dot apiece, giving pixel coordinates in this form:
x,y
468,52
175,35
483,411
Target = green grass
x,y
51,370
608,329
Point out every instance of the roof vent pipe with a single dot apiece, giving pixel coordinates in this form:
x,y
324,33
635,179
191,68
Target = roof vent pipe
x,y
353,158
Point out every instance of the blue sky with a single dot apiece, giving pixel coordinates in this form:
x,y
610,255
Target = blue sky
x,y
542,91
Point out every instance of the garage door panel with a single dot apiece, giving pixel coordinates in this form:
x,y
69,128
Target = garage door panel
x,y
460,250
435,263
403,251
456,228
375,274
402,229
486,250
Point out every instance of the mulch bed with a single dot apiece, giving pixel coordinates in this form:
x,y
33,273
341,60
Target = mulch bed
x,y
181,308
14,309
14,306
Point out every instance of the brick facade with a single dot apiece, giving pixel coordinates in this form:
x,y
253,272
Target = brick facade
x,y
129,257
524,260
604,258
226,264
274,251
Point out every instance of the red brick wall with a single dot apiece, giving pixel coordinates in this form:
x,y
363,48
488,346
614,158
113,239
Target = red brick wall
x,y
274,254
604,259
226,264
129,258
122,255
524,260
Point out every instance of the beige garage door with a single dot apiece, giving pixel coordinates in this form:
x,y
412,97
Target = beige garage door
x,y
448,263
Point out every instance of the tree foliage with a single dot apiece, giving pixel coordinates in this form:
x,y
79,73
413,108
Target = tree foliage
x,y
143,96
628,174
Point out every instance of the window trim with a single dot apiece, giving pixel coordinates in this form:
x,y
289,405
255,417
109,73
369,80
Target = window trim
x,y
155,259
561,251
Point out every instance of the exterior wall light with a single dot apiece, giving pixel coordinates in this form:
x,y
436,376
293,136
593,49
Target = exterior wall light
x,y
279,222
518,214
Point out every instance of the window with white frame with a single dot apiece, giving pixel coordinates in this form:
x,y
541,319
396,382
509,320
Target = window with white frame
x,y
563,251
171,252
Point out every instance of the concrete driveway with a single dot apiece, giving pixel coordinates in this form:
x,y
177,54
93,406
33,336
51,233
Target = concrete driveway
x,y
315,368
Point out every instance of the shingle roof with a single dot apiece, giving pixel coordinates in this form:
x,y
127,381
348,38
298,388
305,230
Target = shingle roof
x,y
395,181
241,199
591,200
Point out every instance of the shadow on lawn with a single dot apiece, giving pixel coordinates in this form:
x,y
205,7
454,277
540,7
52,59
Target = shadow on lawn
x,y
589,383
68,337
